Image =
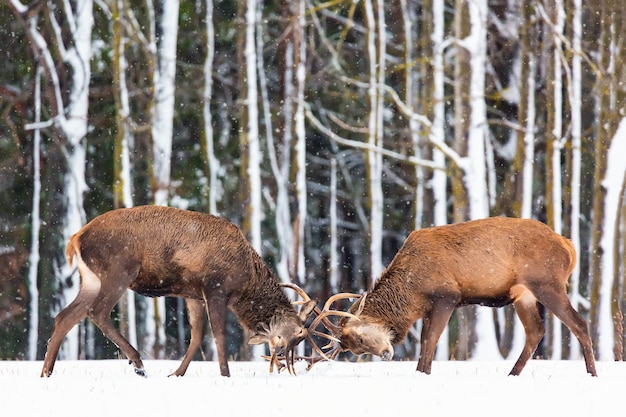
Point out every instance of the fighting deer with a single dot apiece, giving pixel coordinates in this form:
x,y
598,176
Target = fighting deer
x,y
491,262
162,251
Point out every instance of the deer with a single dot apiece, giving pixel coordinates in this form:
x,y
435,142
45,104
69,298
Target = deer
x,y
491,262
163,251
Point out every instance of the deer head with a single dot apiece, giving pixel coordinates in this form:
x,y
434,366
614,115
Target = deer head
x,y
283,334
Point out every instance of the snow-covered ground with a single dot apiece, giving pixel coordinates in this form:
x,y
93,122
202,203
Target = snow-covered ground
x,y
110,388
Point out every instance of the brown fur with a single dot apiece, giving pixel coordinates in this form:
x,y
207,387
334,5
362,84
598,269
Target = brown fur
x,y
491,262
161,251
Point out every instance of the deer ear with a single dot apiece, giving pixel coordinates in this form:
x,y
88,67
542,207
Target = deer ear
x,y
306,310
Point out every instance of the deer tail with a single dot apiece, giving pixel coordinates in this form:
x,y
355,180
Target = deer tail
x,y
572,252
72,249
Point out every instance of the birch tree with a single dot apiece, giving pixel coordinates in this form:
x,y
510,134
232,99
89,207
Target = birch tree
x,y
122,180
74,127
299,125
410,97
555,20
290,226
249,141
164,88
439,180
34,256
526,113
376,45
164,77
433,106
69,118
469,181
575,100
610,171
249,129
207,93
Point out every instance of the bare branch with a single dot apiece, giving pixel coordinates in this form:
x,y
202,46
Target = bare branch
x,y
566,42
364,146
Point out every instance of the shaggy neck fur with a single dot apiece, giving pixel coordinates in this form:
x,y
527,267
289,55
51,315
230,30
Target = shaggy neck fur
x,y
262,301
391,304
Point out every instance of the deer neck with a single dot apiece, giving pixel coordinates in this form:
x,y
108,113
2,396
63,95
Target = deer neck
x,y
261,299
395,308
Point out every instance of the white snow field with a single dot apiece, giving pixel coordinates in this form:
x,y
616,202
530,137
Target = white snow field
x,y
455,388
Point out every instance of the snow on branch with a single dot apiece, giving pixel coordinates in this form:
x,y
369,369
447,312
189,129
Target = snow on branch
x,y
365,146
450,153
566,41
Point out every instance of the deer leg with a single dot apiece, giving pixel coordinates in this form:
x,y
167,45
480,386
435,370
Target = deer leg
x,y
433,325
526,307
216,310
63,323
101,316
71,315
196,312
119,277
559,304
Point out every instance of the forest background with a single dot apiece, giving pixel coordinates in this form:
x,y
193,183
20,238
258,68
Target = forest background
x,y
327,130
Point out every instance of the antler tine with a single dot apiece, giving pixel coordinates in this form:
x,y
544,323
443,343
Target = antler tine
x,y
297,289
301,293
339,296
274,360
316,348
335,329
330,356
322,317
326,336
305,298
290,359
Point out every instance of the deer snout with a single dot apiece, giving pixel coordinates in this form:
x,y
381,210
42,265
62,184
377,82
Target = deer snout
x,y
387,354
278,345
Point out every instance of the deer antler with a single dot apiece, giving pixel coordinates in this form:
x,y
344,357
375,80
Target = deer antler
x,y
322,317
334,329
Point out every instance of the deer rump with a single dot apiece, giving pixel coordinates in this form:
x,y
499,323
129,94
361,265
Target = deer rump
x,y
491,262
163,251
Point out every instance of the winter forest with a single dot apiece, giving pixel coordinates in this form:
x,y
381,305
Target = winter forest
x,y
328,131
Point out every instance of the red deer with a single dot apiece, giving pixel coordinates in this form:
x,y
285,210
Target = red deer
x,y
162,251
491,262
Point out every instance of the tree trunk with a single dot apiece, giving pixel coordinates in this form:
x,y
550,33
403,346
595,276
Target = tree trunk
x,y
575,99
212,163
122,180
376,58
162,132
279,154
555,140
164,95
300,151
433,107
610,169
470,178
34,257
74,127
249,135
